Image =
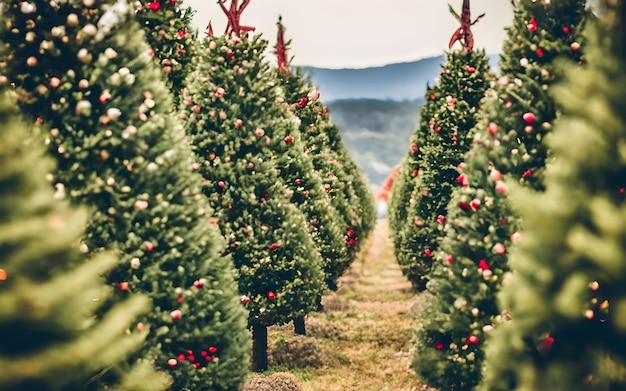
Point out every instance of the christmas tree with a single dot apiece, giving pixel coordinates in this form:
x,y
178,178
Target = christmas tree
x,y
305,181
406,178
167,27
82,73
571,261
508,143
462,84
239,133
344,182
50,340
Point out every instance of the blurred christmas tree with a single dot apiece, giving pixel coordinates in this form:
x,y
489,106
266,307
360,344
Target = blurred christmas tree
x,y
239,133
48,291
462,84
167,26
82,72
567,294
408,176
508,142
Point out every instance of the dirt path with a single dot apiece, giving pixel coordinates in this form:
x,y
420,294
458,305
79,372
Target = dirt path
x,y
363,339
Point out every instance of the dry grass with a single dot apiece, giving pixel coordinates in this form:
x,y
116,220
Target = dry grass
x,y
364,336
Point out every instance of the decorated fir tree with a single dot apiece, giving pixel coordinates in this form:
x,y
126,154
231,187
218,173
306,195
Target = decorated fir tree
x,y
82,73
239,134
167,27
566,294
462,84
305,181
408,175
508,143
48,290
343,180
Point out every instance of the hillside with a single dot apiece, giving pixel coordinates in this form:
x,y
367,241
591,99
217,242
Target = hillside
x,y
376,132
401,81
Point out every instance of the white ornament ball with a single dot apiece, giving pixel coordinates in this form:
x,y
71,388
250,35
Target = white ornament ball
x,y
28,8
523,62
135,263
72,20
90,29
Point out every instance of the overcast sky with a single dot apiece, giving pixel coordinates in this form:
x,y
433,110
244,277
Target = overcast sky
x,y
362,33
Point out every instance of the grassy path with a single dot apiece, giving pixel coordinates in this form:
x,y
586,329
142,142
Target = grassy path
x,y
362,341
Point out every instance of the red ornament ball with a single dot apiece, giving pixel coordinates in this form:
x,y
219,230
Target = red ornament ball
x,y
154,5
271,295
176,314
529,118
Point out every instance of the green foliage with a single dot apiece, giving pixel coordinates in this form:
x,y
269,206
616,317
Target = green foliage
x,y
464,79
508,144
85,76
406,179
167,27
304,178
571,261
239,132
48,291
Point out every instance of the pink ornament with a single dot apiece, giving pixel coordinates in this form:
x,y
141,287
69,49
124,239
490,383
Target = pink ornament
x,y
55,82
495,175
149,246
280,100
449,259
529,118
219,93
172,362
314,95
475,203
516,236
414,148
575,46
501,187
176,314
238,123
492,128
499,248
259,132
428,253
245,299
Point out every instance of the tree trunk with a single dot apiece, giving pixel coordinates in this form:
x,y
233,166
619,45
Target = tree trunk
x,y
259,348
299,327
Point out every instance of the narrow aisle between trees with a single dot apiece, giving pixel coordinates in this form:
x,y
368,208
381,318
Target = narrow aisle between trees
x,y
362,340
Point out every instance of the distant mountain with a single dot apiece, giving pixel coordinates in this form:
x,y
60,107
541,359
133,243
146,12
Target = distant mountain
x,y
375,132
401,81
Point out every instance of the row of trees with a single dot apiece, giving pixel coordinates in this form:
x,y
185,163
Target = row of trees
x,y
455,224
218,185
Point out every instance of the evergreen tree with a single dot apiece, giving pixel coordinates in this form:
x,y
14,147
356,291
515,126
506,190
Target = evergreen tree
x,y
508,143
571,261
462,85
167,27
240,134
406,179
82,73
48,291
304,178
